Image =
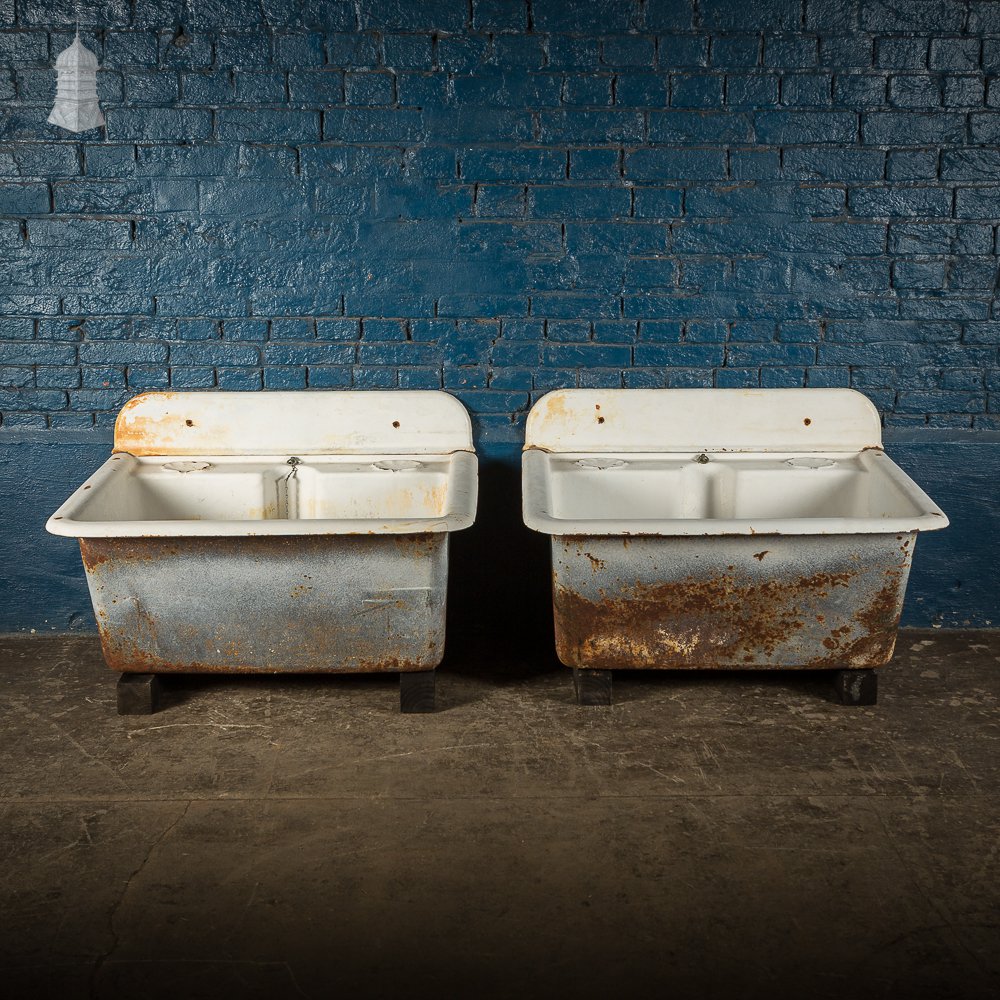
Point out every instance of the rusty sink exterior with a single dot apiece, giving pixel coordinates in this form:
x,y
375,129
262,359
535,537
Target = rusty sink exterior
x,y
270,604
728,602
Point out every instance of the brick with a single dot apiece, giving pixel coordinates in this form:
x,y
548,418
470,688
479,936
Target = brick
x,y
912,165
696,91
902,53
575,202
735,51
500,16
254,87
586,91
911,128
736,15
284,378
595,164
267,125
300,49
628,51
977,203
751,90
846,52
155,124
328,377
238,379
895,201
404,15
914,91
461,55
956,55
699,128
567,15
657,203
591,126
207,88
352,49
369,89
24,199
679,355
192,378
964,91
682,50
821,163
807,90
641,90
806,127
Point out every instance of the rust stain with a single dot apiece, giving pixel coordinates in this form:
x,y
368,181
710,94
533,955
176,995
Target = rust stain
x,y
759,556
595,563
724,622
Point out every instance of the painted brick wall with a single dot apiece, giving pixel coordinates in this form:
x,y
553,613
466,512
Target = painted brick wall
x,y
500,197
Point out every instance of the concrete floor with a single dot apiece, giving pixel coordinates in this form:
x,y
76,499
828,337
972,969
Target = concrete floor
x,y
710,835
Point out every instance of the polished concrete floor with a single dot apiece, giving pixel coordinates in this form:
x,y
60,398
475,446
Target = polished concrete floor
x,y
708,836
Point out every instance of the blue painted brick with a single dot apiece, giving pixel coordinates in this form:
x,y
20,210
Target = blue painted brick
x,y
591,126
375,378
912,165
259,125
585,91
737,378
31,399
500,200
893,201
657,203
243,49
699,128
807,90
484,164
308,354
628,51
500,16
846,51
352,49
790,51
751,90
300,49
329,377
511,379
595,164
682,50
735,51
696,91
806,127
586,355
420,378
860,90
212,353
914,91
679,355
238,379
284,378
461,55
782,378
157,124
913,128
577,202
369,88
676,164
955,54
465,378
24,199
192,378
641,90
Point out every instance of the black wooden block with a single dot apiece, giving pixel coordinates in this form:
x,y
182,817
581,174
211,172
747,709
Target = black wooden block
x,y
138,694
593,687
416,692
856,687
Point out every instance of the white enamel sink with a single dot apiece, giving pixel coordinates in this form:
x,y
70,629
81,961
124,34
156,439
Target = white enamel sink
x,y
191,464
628,465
